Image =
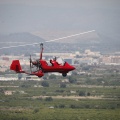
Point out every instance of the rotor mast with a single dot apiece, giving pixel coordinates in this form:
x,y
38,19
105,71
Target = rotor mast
x,y
41,50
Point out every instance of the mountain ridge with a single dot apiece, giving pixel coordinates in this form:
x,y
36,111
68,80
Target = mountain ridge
x,y
93,41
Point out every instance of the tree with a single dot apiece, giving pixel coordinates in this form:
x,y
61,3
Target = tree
x,y
73,106
81,93
48,99
25,85
62,85
45,84
88,94
19,76
36,110
1,90
72,79
52,76
61,106
74,73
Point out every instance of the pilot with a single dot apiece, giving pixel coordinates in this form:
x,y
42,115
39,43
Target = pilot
x,y
60,61
54,58
53,61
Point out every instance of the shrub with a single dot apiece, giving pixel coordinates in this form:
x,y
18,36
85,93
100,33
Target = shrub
x,y
36,110
62,85
88,94
45,84
81,93
61,106
52,77
48,99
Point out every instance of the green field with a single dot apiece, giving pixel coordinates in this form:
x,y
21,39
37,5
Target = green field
x,y
74,101
60,114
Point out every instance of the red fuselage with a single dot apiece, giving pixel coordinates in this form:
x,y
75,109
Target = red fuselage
x,y
55,67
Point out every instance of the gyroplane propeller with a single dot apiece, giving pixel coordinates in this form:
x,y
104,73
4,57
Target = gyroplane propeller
x,y
42,67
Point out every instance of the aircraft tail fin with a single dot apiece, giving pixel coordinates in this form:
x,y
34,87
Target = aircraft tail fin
x,y
16,66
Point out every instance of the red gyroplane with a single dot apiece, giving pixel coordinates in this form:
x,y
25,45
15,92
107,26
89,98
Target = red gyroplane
x,y
57,65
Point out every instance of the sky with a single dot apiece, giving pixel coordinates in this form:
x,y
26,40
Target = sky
x,y
63,15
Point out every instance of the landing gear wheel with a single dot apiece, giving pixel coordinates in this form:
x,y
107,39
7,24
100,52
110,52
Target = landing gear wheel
x,y
64,74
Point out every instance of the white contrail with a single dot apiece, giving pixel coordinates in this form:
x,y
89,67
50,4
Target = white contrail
x,y
48,40
11,42
70,36
19,46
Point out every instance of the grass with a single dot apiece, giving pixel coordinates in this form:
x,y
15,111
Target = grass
x,y
61,114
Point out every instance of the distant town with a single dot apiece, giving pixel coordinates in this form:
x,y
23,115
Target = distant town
x,y
81,60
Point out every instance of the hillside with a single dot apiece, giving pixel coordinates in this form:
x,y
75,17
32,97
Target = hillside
x,y
94,41
18,39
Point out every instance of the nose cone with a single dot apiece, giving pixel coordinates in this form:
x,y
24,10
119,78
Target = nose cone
x,y
69,67
72,68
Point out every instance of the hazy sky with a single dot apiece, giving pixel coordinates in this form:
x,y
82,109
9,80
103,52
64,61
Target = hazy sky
x,y
64,15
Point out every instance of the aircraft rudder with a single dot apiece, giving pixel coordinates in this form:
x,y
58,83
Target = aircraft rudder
x,y
16,66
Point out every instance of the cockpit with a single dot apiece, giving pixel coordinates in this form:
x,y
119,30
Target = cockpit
x,y
57,60
60,61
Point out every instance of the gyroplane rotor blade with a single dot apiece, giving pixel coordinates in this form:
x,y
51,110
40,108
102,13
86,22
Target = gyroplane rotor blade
x,y
30,64
49,40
